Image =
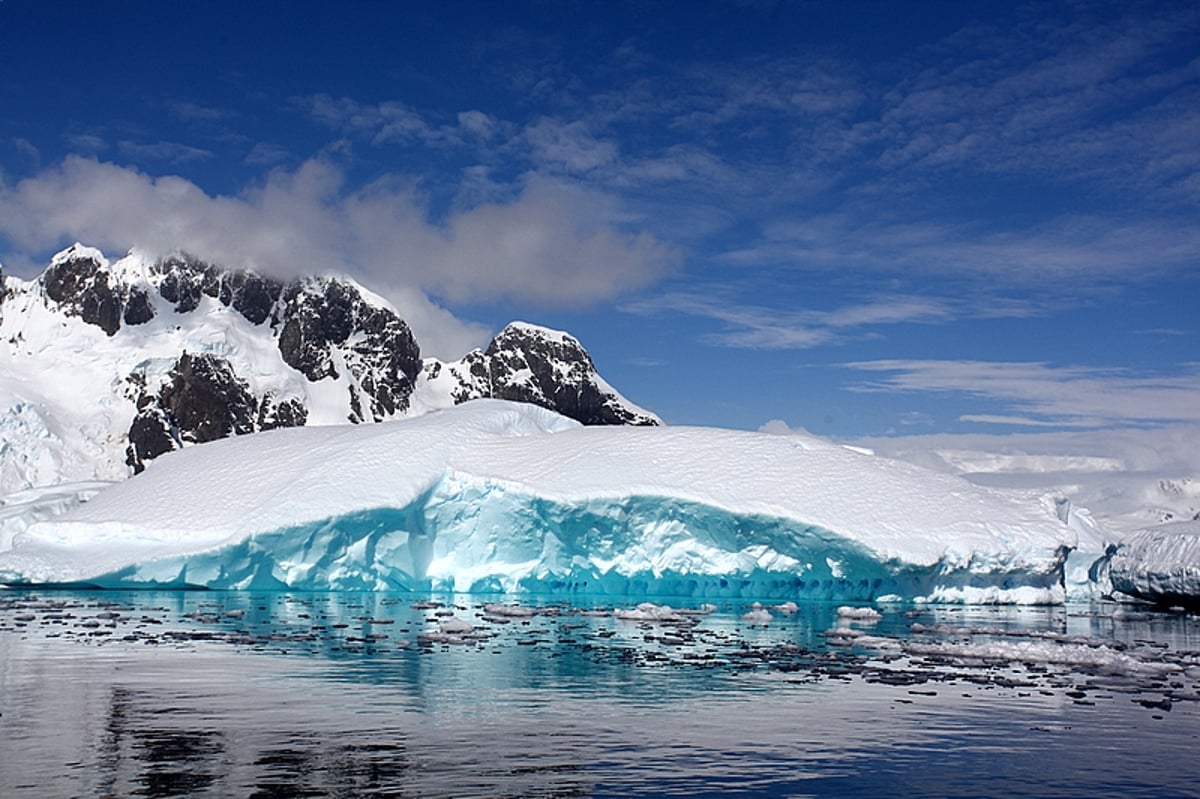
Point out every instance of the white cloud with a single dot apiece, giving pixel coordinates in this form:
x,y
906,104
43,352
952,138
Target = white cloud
x,y
189,111
569,146
765,328
171,152
550,245
1037,393
266,154
778,427
27,149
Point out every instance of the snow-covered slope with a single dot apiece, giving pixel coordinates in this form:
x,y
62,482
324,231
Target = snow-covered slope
x,y
105,366
494,495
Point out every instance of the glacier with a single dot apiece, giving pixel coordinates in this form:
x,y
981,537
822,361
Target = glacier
x,y
494,496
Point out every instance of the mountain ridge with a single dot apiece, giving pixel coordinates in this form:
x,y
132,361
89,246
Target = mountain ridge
x,y
105,366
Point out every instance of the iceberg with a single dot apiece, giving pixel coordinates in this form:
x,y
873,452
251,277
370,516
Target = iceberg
x,y
495,496
1159,564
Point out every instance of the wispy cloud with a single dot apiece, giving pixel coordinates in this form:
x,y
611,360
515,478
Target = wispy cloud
x,y
170,152
1038,394
767,328
1100,248
189,111
27,149
267,154
394,122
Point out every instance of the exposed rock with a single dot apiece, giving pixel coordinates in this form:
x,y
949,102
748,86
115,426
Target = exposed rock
x,y
138,310
323,321
184,279
202,400
80,285
527,363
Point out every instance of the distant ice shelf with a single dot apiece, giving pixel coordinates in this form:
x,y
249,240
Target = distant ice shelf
x,y
496,496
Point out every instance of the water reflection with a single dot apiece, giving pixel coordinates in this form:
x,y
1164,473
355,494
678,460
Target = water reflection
x,y
281,695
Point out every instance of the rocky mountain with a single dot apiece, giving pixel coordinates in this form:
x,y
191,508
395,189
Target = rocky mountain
x,y
104,366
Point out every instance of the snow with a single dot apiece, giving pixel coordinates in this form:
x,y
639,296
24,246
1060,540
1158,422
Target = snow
x,y
497,496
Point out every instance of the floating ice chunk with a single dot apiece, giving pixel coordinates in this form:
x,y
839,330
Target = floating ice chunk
x,y
453,625
859,614
758,615
648,611
1100,658
451,630
788,608
509,611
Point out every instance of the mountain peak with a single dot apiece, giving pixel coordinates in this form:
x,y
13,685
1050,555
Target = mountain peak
x,y
79,252
112,364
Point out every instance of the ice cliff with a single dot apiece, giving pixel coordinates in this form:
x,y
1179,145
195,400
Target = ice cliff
x,y
500,496
1158,564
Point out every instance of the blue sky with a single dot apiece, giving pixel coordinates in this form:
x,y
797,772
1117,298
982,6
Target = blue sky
x,y
861,218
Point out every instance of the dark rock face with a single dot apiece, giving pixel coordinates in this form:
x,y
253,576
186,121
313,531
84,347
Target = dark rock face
x,y
138,310
202,400
185,279
207,400
543,367
556,372
317,320
82,287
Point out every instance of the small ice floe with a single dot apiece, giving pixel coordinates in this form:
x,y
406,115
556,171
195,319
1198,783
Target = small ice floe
x,y
509,611
859,614
848,636
648,611
758,615
451,630
788,608
707,609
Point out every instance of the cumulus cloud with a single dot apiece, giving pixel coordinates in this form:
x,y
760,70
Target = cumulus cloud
x,y
550,245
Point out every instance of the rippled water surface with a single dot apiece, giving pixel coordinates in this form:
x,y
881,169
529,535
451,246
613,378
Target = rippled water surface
x,y
306,695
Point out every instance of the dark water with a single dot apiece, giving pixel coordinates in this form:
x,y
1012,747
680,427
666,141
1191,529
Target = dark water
x,y
345,695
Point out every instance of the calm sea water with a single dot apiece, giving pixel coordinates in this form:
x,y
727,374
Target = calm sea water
x,y
307,695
